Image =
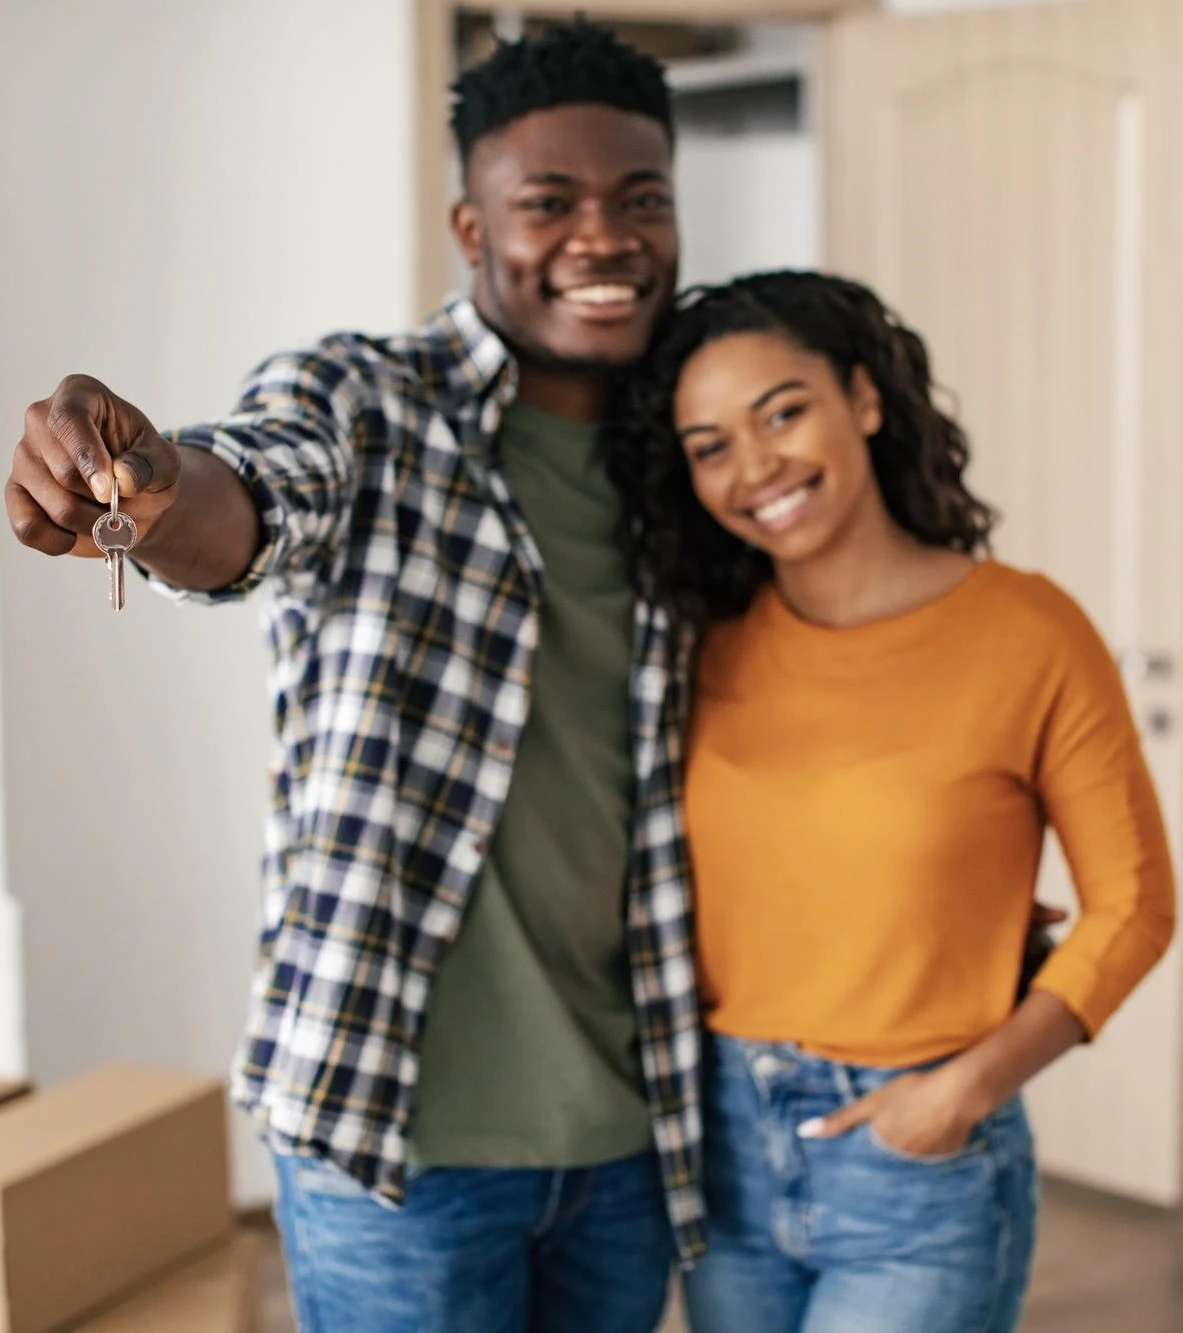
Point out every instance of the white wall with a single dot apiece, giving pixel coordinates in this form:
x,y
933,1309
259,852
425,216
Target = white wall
x,y
747,175
747,204
185,189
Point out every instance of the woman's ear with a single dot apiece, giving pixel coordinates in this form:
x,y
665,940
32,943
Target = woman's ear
x,y
866,402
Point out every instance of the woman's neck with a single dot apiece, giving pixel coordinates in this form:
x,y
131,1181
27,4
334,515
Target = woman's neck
x,y
874,571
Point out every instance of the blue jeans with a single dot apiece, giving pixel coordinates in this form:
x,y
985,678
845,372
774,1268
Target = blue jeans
x,y
478,1251
849,1235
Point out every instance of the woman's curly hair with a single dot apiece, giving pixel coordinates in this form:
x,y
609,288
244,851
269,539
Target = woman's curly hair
x,y
679,555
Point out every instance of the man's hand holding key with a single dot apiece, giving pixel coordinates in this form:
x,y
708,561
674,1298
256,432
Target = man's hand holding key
x,y
62,500
75,445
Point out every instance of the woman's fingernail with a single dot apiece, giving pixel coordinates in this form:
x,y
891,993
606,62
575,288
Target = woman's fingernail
x,y
811,1129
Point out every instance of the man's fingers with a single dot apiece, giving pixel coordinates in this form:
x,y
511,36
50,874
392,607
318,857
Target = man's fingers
x,y
63,468
150,465
32,525
66,510
50,451
71,418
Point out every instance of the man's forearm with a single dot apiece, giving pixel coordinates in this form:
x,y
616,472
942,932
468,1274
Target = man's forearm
x,y
210,534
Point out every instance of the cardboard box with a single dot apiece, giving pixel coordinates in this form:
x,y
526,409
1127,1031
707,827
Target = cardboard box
x,y
105,1182
9,1092
217,1294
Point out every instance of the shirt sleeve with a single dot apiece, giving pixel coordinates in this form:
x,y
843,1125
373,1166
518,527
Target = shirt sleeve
x,y
290,439
1100,799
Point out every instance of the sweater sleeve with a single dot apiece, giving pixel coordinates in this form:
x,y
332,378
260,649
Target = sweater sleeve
x,y
1099,797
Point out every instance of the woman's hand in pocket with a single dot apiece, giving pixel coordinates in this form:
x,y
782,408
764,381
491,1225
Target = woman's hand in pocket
x,y
922,1115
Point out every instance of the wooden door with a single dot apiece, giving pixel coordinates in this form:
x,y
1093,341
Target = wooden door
x,y
1012,180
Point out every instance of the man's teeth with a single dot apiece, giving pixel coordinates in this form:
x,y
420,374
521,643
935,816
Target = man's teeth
x,y
602,294
780,509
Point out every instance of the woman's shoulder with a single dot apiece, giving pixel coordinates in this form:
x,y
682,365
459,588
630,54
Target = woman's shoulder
x,y
1027,590
1042,612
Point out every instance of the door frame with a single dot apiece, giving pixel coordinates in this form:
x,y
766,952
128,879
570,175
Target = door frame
x,y
433,25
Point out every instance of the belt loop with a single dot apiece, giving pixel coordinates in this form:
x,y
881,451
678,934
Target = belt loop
x,y
554,1200
843,1083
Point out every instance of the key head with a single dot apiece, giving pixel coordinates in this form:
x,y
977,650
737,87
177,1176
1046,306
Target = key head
x,y
114,532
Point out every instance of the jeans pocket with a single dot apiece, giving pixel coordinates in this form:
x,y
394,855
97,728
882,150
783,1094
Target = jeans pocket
x,y
323,1180
973,1149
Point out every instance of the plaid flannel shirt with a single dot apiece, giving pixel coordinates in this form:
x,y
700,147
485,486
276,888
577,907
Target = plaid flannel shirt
x,y
401,601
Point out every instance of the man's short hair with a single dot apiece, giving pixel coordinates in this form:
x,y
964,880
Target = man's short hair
x,y
566,64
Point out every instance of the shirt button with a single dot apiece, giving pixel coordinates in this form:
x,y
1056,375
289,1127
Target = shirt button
x,y
480,847
501,750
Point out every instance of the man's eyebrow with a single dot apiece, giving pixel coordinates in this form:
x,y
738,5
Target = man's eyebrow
x,y
644,176
560,178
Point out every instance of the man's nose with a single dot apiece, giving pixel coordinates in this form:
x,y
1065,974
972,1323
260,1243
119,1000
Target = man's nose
x,y
602,232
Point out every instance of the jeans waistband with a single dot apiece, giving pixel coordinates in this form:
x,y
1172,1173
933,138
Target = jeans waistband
x,y
786,1062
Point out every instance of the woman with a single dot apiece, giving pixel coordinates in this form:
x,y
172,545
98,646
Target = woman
x,y
884,724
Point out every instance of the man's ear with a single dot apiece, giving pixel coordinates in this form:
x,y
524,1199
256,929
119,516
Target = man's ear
x,y
468,230
867,403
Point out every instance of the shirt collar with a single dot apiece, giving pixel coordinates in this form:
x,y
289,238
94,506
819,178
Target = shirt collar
x,y
475,360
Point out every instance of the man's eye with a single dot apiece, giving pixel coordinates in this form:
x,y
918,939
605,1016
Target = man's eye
x,y
547,205
652,201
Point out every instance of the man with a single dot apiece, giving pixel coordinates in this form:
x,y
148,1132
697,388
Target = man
x,y
472,1044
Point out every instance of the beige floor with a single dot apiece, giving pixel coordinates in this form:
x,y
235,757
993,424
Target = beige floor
x,y
1102,1266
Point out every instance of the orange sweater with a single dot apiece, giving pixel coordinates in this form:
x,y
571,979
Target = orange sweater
x,y
866,812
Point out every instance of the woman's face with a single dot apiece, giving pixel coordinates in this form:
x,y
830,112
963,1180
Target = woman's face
x,y
777,447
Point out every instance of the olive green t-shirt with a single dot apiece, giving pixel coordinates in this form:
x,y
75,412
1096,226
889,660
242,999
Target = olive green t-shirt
x,y
530,1055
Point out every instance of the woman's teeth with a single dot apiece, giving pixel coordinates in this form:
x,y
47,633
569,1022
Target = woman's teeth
x,y
778,510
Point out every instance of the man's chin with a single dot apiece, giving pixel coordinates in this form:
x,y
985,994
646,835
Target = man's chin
x,y
551,340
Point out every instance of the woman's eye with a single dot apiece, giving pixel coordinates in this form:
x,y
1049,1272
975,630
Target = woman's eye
x,y
785,414
701,453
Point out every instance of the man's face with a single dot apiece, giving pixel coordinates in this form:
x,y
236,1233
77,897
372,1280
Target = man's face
x,y
568,225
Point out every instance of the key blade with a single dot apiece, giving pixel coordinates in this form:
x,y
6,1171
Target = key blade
x,y
115,534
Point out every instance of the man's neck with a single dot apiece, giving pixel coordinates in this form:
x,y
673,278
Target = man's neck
x,y
575,393
574,397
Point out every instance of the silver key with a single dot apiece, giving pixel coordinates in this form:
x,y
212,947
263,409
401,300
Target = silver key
x,y
115,534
